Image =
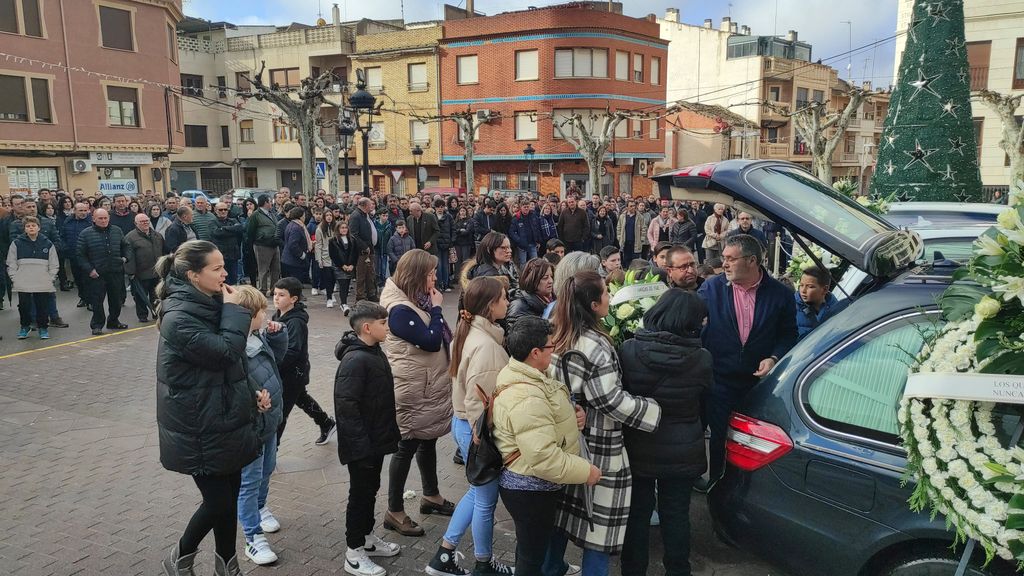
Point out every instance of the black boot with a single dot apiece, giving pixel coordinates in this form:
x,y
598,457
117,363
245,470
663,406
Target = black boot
x,y
177,565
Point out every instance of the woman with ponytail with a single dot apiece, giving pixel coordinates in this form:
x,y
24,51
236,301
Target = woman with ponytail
x,y
477,357
597,384
205,409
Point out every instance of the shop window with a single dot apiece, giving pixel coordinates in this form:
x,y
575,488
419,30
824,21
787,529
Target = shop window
x,y
122,106
30,180
116,28
499,181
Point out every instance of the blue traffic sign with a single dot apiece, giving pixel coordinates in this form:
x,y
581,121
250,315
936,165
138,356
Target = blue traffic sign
x,y
321,170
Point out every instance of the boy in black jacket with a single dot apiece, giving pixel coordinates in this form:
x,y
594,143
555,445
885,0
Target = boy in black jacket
x,y
364,404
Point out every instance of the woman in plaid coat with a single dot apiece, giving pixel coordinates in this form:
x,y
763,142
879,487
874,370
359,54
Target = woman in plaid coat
x,y
597,386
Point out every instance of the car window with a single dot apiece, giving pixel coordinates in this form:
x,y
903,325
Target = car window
x,y
939,219
857,391
956,249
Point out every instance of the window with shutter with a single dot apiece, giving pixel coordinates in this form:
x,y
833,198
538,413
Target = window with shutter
x,y
655,71
638,67
560,118
622,129
582,62
621,65
652,129
285,77
419,132
563,63
599,58
417,77
242,81
41,100
526,126
13,99
246,132
374,79
467,69
526,65
116,28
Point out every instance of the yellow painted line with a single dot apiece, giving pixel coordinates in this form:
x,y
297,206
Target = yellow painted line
x,y
82,341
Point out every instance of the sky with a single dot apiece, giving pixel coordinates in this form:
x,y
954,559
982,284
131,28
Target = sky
x,y
818,22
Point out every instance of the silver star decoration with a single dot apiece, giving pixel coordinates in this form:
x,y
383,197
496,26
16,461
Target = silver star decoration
x,y
962,76
961,195
957,145
924,83
902,196
950,107
937,12
949,173
919,155
912,27
889,168
890,140
899,108
920,59
954,46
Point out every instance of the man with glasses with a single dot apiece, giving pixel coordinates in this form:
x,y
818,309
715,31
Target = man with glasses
x,y
226,232
745,346
682,269
746,226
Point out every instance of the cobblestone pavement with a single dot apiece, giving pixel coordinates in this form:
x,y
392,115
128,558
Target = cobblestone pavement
x,y
82,491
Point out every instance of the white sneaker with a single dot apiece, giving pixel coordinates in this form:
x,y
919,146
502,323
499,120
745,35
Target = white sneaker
x,y
315,291
573,570
330,303
258,550
268,523
358,563
345,309
375,546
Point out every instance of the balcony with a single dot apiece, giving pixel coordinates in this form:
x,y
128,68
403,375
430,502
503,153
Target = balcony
x,y
341,37
773,150
979,78
775,111
849,157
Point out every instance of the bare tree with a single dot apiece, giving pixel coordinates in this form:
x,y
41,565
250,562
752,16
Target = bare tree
x,y
332,147
592,138
1012,142
469,123
822,130
302,113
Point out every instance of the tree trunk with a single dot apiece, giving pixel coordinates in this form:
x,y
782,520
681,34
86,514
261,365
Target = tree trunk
x,y
1012,141
308,159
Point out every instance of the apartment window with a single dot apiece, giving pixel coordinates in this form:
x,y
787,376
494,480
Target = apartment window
x,y
179,119
242,81
1018,66
818,96
377,136
625,184
246,133
499,181
526,65
41,100
122,106
116,28
466,69
621,65
13,99
581,63
801,98
771,135
526,126
284,132
418,77
374,80
222,84
561,118
191,85
419,132
850,144
528,180
979,128
638,67
195,136
285,78
652,129
172,43
622,129
225,137
31,22
638,128
655,71
979,54
775,93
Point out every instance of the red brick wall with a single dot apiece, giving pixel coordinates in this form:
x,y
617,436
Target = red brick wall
x,y
550,183
549,18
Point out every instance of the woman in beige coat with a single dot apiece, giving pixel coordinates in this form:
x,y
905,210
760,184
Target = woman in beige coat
x,y
417,349
715,229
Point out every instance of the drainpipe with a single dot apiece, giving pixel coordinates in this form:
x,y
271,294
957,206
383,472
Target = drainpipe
x,y
170,136
67,72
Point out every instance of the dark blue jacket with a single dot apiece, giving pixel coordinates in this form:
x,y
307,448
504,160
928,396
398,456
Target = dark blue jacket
x,y
72,228
484,223
773,332
262,373
752,232
295,245
807,320
524,230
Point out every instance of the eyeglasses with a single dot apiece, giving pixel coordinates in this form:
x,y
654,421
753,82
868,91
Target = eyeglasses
x,y
732,260
222,209
548,347
681,267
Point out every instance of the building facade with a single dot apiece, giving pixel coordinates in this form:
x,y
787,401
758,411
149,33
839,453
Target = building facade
x,y
994,33
86,96
522,71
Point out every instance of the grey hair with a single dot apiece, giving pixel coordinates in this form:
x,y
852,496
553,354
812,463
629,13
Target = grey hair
x,y
572,263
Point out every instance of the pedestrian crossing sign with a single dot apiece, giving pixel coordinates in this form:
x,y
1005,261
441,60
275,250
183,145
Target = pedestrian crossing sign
x,y
321,170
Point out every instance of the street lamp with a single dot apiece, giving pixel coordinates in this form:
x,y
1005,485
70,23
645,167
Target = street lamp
x,y
417,154
346,132
528,152
360,101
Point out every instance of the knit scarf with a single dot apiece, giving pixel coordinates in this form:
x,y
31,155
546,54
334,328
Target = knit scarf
x,y
718,224
423,303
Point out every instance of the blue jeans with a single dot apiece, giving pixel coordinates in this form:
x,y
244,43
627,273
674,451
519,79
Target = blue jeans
x,y
524,254
443,280
231,267
476,508
594,563
252,497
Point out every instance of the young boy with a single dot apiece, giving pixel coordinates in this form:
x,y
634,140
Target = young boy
x,y
400,243
814,300
295,367
32,264
263,351
364,404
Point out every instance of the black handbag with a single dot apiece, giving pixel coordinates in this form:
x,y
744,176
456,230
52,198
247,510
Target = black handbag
x,y
484,461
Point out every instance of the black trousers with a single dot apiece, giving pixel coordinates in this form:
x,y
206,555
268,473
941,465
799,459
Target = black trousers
x,y
218,512
364,482
109,286
426,459
344,285
672,499
144,294
41,301
298,396
81,282
533,513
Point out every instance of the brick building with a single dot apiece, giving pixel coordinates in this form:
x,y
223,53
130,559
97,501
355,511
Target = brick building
x,y
84,97
521,69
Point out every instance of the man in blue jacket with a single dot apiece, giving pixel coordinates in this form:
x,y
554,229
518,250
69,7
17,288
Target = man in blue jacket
x,y
524,233
751,324
71,229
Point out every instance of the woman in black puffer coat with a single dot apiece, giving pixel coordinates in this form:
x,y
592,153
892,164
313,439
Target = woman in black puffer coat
x,y
665,361
205,409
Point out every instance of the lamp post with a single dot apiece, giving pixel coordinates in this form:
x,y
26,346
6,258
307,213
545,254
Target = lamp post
x,y
528,152
361,101
417,155
346,131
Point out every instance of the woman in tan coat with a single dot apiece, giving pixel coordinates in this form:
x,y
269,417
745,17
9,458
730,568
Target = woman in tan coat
x,y
715,229
417,349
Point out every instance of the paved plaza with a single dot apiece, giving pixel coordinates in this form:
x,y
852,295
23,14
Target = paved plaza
x,y
82,490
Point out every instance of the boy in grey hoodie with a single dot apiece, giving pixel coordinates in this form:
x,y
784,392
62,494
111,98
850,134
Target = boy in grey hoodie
x,y
32,264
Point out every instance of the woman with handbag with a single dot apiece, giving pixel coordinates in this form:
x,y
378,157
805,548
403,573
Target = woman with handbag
x,y
477,357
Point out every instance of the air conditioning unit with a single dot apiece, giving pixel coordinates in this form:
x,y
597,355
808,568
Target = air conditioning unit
x,y
545,167
80,166
641,167
483,115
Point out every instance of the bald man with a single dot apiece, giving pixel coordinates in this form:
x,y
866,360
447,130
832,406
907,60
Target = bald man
x,y
143,247
101,254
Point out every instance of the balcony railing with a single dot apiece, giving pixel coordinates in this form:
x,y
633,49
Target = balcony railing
x,y
979,78
775,109
321,35
773,150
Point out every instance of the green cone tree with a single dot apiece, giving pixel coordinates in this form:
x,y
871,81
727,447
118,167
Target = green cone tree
x,y
928,151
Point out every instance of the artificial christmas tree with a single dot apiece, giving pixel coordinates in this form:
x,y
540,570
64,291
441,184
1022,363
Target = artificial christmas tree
x,y
928,151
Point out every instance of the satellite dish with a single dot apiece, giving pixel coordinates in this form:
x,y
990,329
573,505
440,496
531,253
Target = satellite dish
x,y
321,22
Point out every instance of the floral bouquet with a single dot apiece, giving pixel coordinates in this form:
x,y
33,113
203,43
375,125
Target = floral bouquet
x,y
954,450
875,204
629,301
801,261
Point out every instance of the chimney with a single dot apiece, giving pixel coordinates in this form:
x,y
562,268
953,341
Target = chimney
x,y
672,14
336,15
734,27
792,36
745,30
867,85
469,9
726,24
708,23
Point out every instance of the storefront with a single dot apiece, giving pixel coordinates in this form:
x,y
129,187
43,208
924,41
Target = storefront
x,y
118,172
30,179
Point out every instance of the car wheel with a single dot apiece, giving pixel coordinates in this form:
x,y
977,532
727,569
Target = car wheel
x,y
937,563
